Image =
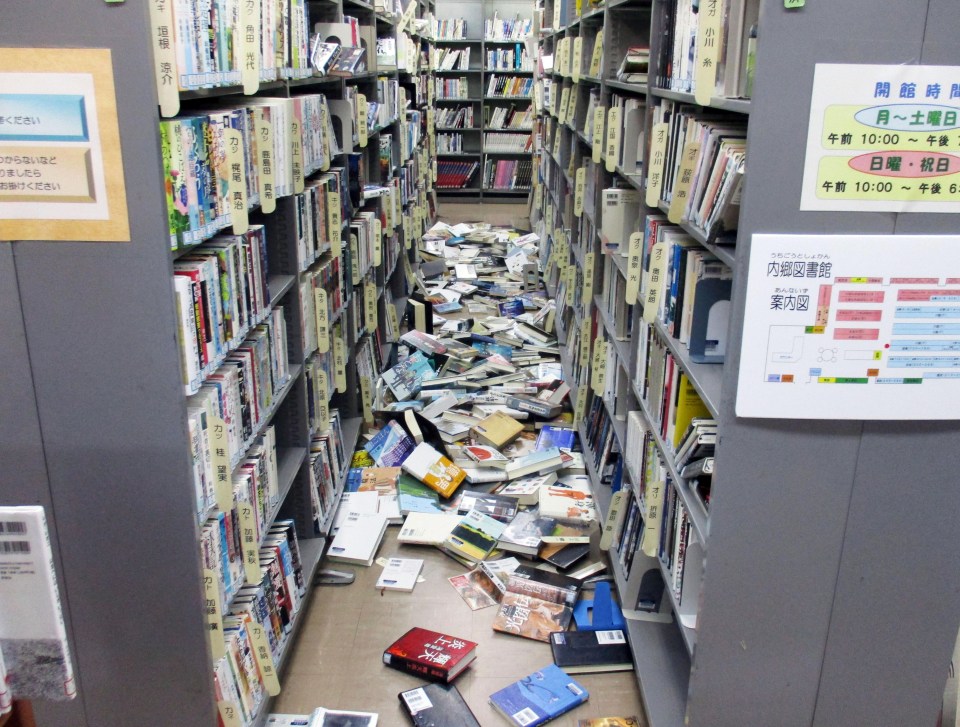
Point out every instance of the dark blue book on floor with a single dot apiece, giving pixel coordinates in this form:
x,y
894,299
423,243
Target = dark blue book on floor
x,y
551,436
539,697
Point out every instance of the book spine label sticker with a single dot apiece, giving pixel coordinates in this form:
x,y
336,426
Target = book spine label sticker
x,y
264,659
334,224
377,242
709,27
597,57
577,58
614,636
339,364
581,181
323,324
220,454
370,306
596,147
613,139
165,57
295,144
362,120
634,268
265,178
417,700
681,190
229,713
323,394
237,184
214,610
658,152
250,21
249,543
651,301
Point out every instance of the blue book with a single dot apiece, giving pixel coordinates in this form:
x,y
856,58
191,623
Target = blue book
x,y
511,308
551,436
539,697
390,446
354,478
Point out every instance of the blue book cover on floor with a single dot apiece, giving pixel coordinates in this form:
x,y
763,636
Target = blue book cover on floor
x,y
551,436
539,697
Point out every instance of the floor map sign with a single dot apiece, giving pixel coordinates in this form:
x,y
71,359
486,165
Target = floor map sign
x,y
851,327
884,139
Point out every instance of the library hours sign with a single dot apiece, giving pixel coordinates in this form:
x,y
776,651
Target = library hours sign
x,y
61,172
883,138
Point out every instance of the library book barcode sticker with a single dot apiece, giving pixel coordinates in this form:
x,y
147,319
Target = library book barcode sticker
x,y
525,716
611,637
417,700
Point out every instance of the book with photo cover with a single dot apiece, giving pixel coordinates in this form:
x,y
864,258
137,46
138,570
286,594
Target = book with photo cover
x,y
610,722
430,654
474,537
524,533
437,705
524,614
476,589
499,508
539,697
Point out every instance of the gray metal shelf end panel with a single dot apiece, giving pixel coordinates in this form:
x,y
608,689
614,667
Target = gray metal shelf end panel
x,y
663,670
736,105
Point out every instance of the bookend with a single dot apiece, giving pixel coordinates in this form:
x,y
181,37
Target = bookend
x,y
599,614
331,577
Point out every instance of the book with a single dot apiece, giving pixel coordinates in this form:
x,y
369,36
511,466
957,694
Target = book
x,y
433,469
407,377
563,555
437,705
539,697
349,62
610,722
534,406
358,538
391,446
523,534
474,537
526,490
531,617
400,574
414,496
430,654
496,430
422,528
552,436
486,456
587,652
569,499
536,463
340,717
476,589
499,508
33,637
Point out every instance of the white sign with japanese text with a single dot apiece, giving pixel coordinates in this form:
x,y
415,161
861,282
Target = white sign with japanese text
x,y
851,327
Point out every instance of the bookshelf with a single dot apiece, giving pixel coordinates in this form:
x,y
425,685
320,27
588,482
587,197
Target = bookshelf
x,y
493,64
793,588
99,435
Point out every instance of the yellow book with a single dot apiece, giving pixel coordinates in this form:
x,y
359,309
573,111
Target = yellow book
x,y
497,430
688,406
433,469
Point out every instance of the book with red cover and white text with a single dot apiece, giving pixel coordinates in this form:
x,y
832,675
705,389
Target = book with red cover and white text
x,y
430,654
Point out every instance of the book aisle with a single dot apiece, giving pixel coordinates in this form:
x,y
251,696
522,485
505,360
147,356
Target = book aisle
x,y
436,364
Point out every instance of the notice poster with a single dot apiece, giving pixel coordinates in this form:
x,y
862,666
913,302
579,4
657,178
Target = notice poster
x,y
883,139
61,173
851,327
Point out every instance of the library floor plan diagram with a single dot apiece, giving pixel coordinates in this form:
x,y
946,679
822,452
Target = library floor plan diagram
x,y
843,326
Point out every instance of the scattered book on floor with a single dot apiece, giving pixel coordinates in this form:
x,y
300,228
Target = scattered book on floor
x,y
476,589
497,430
526,490
400,574
611,722
570,499
474,537
422,528
587,652
433,469
342,717
498,507
430,654
437,705
390,446
524,533
414,496
539,697
358,538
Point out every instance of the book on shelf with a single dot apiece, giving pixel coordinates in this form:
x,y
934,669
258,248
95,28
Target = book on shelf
x,y
432,705
634,66
539,697
430,654
349,62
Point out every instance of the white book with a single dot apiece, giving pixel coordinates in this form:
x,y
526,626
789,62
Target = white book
x,y
365,502
482,475
33,638
389,507
427,528
400,574
358,538
570,499
465,271
6,695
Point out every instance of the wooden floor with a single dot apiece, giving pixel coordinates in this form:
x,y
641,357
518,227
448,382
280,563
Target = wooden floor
x,y
337,660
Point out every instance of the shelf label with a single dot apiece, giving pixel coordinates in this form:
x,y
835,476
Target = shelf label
x,y
596,147
220,454
323,322
397,209
165,57
325,136
377,242
577,63
249,32
265,179
588,265
214,610
597,57
681,190
394,322
556,145
323,391
339,364
651,530
249,542
598,350
613,518
229,713
409,274
407,231
581,408
355,277
605,350
658,269
370,306
613,139
585,340
296,153
537,196
362,127
634,269
564,105
237,184
709,28
433,170
264,659
334,224
365,395
388,209
581,181
555,103
658,153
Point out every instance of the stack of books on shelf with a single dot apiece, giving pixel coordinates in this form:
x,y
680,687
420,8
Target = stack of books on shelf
x,y
455,117
508,117
449,143
450,29
509,143
508,59
496,28
448,59
633,68
452,87
507,174
455,175
509,86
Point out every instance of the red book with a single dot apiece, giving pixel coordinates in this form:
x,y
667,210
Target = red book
x,y
430,654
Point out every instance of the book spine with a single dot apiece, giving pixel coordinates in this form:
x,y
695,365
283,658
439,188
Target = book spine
x,y
411,666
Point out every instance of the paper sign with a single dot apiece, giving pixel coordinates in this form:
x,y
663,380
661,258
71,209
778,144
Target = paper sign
x,y
585,340
596,147
613,139
265,179
323,395
370,306
577,62
658,271
367,400
581,181
248,36
377,242
658,152
249,542
355,275
597,57
165,56
605,356
634,267
709,27
588,265
325,137
339,364
362,124
296,153
564,106
581,406
323,325
613,516
681,189
394,323
262,655
220,453
229,711
334,223
650,541
214,611
237,183
598,350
